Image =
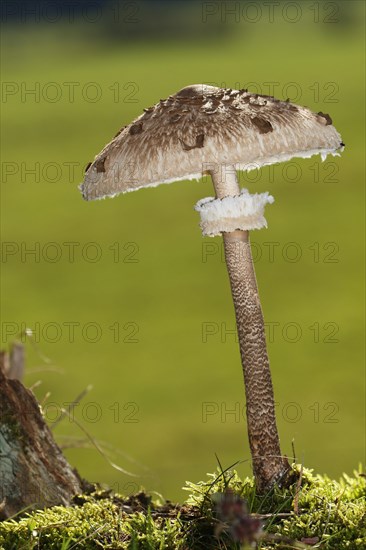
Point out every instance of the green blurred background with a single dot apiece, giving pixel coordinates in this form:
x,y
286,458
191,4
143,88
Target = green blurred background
x,y
148,298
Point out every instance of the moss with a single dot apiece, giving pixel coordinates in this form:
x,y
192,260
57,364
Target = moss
x,y
330,515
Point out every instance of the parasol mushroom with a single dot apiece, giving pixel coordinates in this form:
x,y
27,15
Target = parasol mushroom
x,y
207,130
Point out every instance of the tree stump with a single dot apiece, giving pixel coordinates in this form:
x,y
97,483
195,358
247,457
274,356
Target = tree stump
x,y
33,471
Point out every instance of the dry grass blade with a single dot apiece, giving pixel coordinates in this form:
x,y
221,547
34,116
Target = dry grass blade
x,y
72,405
297,494
98,448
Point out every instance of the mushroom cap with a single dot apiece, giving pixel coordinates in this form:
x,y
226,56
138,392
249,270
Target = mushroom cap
x,y
202,128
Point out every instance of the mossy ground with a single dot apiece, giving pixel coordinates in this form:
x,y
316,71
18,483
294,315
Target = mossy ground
x,y
222,512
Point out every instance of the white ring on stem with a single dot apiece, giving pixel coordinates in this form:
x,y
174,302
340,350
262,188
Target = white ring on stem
x,y
245,211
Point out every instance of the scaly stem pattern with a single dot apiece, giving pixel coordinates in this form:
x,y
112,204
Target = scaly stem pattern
x,y
269,466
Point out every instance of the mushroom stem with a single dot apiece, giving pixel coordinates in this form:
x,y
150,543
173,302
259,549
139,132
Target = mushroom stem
x,y
269,466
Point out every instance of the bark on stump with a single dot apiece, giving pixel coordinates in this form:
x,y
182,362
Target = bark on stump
x,y
33,471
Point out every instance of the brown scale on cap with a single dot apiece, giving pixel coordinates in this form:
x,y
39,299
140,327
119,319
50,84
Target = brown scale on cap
x,y
99,165
263,125
238,127
199,143
325,119
135,129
